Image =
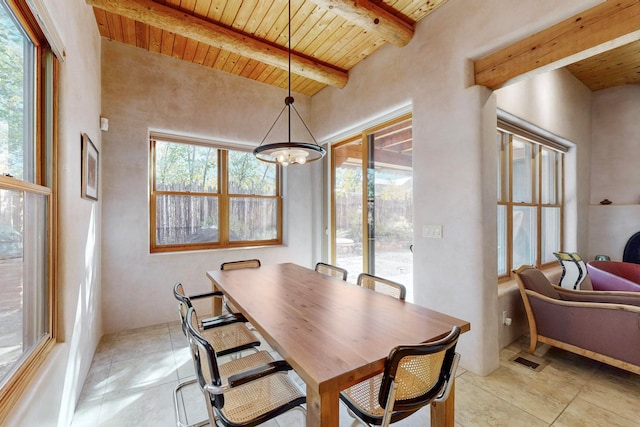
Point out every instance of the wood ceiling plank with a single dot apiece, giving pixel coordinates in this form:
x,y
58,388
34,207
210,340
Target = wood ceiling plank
x,y
201,8
620,63
309,31
168,37
304,19
115,27
368,44
324,36
190,50
155,39
201,53
178,22
179,44
230,63
211,57
414,11
276,9
173,3
240,65
230,12
335,43
266,72
248,68
347,45
277,33
258,15
313,87
370,17
187,5
258,70
101,20
244,14
128,31
600,28
142,35
216,10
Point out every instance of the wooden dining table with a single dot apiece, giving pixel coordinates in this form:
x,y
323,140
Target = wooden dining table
x,y
334,334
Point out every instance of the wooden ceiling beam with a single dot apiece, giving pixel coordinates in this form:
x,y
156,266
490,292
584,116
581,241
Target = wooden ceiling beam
x,y
596,30
372,18
175,21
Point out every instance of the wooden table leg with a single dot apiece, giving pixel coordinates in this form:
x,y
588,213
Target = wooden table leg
x,y
216,303
323,410
443,413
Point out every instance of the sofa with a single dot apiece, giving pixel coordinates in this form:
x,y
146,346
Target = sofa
x,y
614,276
601,325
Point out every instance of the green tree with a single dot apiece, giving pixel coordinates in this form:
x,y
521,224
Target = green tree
x,y
13,48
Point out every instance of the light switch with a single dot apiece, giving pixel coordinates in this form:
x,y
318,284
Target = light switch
x,y
432,231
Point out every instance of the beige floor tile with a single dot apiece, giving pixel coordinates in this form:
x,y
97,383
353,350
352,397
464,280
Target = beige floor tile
x,y
96,382
477,407
614,390
136,374
184,363
87,412
581,413
544,396
140,344
145,407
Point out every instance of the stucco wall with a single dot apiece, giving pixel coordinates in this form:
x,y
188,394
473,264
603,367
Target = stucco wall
x,y
50,399
614,170
454,182
144,91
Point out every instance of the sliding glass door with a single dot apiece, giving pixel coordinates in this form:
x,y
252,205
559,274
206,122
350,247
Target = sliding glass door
x,y
372,202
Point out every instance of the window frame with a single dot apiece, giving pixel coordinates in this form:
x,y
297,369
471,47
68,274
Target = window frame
x,y
44,182
222,194
505,133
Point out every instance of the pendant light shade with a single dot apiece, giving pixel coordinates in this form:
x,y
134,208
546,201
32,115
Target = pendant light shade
x,y
289,152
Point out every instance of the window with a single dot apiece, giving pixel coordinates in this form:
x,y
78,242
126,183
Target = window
x,y
205,197
27,321
530,199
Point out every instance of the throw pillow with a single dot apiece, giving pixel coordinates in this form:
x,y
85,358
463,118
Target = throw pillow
x,y
574,271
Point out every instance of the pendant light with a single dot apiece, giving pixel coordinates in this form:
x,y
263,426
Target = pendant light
x,y
287,153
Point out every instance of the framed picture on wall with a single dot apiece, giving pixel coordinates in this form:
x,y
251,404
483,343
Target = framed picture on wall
x,y
90,168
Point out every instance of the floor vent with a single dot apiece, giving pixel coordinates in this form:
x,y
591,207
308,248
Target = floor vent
x,y
530,361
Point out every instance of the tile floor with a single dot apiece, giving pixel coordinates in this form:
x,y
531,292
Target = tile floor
x,y
133,375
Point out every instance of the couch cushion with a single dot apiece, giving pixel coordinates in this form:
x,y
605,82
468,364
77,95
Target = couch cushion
x,y
535,280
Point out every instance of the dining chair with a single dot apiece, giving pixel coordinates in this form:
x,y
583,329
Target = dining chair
x,y
382,285
331,270
414,376
247,398
236,265
228,332
245,263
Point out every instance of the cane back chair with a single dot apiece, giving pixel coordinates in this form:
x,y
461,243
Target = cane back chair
x,y
228,332
247,398
331,270
414,376
382,285
236,265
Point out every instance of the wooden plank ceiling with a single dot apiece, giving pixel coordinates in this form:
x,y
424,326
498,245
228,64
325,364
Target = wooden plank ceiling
x,y
249,38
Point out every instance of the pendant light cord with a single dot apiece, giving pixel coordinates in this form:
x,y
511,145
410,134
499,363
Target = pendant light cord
x,y
289,98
